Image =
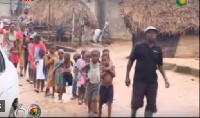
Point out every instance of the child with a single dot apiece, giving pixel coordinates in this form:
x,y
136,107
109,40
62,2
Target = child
x,y
93,83
15,55
107,52
79,76
106,88
74,83
20,40
59,80
30,59
86,60
80,79
40,73
30,33
67,70
49,63
35,54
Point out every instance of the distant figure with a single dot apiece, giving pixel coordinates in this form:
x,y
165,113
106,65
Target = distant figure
x,y
60,31
4,28
25,17
14,58
97,36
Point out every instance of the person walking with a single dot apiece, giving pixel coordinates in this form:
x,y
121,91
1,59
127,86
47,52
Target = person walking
x,y
149,57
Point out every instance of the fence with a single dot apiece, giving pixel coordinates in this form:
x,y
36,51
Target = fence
x,y
13,7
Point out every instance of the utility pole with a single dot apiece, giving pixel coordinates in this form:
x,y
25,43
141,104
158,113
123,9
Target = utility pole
x,y
73,21
49,21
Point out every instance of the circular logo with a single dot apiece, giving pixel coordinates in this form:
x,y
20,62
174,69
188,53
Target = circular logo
x,y
34,110
180,3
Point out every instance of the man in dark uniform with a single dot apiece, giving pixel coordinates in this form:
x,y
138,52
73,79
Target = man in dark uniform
x,y
149,58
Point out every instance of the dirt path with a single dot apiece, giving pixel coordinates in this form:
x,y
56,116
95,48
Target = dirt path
x,y
181,99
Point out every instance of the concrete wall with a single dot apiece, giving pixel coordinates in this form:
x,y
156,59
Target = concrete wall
x,y
109,9
116,23
5,8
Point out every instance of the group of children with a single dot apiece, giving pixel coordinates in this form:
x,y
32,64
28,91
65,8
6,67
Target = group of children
x,y
91,77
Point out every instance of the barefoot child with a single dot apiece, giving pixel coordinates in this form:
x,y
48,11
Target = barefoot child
x,y
30,59
81,88
93,83
59,80
86,61
49,63
107,52
74,83
40,72
35,53
106,88
14,55
67,72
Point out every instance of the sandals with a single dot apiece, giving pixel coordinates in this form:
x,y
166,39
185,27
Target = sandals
x,y
21,75
79,102
31,82
73,98
36,90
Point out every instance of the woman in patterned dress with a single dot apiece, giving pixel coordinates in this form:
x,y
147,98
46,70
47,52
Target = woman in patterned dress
x,y
20,40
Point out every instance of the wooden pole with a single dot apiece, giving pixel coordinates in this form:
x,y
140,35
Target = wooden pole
x,y
11,8
81,32
23,6
73,21
145,9
49,21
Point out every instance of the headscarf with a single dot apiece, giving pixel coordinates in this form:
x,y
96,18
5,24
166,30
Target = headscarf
x,y
61,51
22,24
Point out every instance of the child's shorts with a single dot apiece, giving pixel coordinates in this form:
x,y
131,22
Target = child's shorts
x,y
81,89
67,78
92,92
106,94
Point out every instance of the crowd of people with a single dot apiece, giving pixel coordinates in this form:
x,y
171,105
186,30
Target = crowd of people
x,y
90,76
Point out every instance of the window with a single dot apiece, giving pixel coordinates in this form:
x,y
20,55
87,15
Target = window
x,y
2,63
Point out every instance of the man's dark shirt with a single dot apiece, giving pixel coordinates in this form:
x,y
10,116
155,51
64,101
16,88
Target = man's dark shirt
x,y
147,61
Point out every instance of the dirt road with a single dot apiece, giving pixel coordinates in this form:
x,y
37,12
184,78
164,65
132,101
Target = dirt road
x,y
181,99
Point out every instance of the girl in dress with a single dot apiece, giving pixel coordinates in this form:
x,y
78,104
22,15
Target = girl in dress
x,y
20,40
58,66
40,72
14,58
